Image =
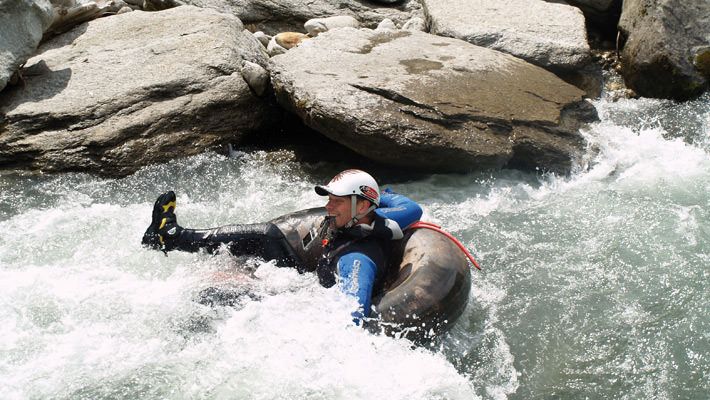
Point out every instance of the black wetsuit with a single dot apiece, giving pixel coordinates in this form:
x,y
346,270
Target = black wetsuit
x,y
266,240
356,257
353,240
263,240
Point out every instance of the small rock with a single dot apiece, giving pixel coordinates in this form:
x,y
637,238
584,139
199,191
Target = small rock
x,y
124,10
613,86
273,48
118,4
319,25
289,40
622,94
262,38
158,5
415,24
386,24
256,77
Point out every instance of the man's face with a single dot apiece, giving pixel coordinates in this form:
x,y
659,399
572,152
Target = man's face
x,y
339,207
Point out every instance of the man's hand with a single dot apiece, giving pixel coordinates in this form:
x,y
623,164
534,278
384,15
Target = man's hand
x,y
163,228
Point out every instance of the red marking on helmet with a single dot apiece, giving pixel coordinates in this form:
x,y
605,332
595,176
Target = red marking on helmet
x,y
369,192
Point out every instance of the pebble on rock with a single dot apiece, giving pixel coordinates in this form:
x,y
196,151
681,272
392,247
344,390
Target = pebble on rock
x,y
318,25
262,38
415,24
255,76
386,24
273,48
289,40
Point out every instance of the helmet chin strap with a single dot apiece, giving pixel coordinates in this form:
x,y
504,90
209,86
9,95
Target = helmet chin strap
x,y
353,210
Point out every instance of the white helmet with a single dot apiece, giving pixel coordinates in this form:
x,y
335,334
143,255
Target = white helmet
x,y
352,182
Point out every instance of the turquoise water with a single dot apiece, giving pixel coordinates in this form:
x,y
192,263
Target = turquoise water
x,y
593,286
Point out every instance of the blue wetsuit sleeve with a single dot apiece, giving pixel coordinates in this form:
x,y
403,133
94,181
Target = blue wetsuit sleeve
x,y
401,209
356,273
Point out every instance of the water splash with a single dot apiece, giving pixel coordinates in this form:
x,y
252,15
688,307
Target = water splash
x,y
594,285
87,313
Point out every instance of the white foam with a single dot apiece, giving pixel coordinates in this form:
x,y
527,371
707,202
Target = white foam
x,y
86,312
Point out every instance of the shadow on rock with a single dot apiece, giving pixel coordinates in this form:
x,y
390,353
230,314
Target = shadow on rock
x,y
31,87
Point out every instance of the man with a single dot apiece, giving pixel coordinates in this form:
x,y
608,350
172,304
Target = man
x,y
355,235
357,251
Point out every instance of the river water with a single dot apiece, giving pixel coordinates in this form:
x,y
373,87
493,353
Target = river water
x,y
594,286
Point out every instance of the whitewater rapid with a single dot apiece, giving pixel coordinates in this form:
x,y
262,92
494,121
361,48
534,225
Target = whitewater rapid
x,y
594,285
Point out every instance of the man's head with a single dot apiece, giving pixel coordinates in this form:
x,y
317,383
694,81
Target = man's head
x,y
352,195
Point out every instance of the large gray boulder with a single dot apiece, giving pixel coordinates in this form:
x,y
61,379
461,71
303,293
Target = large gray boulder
x,y
118,93
550,35
273,16
22,23
667,50
431,103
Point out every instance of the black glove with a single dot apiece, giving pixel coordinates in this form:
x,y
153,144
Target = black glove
x,y
163,229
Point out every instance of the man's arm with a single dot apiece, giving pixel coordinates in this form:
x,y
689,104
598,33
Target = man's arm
x,y
396,213
356,272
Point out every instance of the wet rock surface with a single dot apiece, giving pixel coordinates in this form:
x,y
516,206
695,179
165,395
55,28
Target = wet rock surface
x,y
22,23
667,48
426,102
118,93
550,35
141,87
